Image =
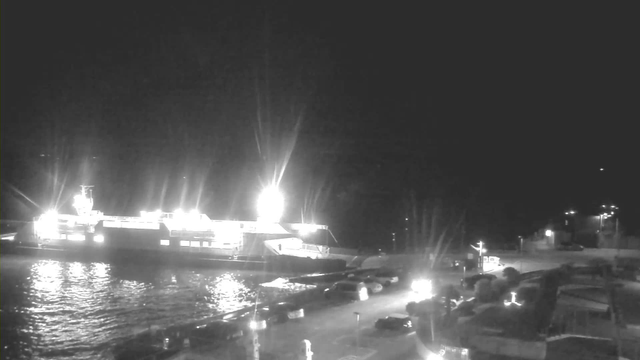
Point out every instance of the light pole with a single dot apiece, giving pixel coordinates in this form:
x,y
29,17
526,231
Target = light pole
x,y
480,251
393,238
357,314
521,244
571,214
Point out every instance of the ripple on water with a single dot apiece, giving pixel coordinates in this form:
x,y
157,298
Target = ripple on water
x,y
75,310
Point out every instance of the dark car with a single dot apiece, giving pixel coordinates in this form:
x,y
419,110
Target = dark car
x,y
160,344
568,246
277,313
395,322
284,311
470,281
215,332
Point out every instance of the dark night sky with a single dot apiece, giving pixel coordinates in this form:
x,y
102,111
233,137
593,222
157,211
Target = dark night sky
x,y
508,113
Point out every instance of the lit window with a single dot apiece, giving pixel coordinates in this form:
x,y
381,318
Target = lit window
x,y
195,244
184,243
205,244
164,242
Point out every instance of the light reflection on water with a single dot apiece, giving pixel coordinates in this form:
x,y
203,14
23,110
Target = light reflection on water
x,y
53,309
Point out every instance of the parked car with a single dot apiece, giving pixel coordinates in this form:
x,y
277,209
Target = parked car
x,y
262,317
568,246
386,277
470,281
347,290
372,285
284,311
395,322
216,332
160,344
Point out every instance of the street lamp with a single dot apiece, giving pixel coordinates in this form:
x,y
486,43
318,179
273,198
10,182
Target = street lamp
x,y
571,214
548,233
480,251
357,314
393,238
521,243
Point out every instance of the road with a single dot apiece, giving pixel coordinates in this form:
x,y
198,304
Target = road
x,y
333,330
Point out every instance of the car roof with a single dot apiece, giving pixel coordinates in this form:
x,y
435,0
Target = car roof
x,y
349,282
399,316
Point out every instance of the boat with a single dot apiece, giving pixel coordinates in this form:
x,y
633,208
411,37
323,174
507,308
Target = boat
x,y
176,237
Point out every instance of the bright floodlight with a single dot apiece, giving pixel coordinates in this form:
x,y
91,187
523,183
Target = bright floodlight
x,y
270,205
548,233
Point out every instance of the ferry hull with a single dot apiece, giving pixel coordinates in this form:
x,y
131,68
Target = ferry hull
x,y
113,255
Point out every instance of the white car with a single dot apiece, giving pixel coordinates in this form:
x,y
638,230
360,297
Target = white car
x,y
385,277
372,285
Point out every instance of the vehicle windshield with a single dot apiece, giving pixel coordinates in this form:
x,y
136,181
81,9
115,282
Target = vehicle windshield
x,y
346,287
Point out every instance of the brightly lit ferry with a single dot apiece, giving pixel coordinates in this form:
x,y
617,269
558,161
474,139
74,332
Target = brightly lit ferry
x,y
190,236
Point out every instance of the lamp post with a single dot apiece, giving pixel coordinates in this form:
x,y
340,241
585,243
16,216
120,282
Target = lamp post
x,y
480,251
521,244
357,314
571,214
393,238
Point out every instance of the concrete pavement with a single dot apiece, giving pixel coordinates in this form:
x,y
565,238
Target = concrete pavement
x,y
334,333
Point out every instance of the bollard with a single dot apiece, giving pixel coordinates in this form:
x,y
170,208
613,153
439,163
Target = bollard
x,y
252,346
305,350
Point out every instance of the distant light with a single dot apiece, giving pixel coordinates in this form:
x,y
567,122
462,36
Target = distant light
x,y
604,205
548,233
406,219
601,169
270,205
484,250
257,325
98,238
423,288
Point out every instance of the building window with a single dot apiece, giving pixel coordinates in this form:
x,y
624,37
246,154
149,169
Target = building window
x,y
195,244
165,242
184,243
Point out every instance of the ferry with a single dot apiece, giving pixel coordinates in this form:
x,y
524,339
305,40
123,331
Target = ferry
x,y
178,237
